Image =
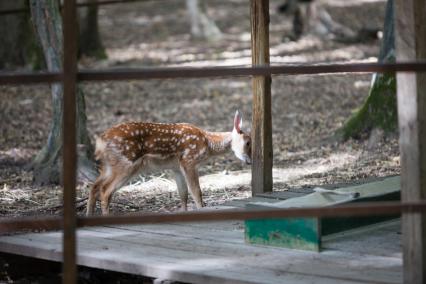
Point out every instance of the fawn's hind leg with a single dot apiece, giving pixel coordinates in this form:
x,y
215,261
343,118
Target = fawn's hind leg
x,y
94,195
110,185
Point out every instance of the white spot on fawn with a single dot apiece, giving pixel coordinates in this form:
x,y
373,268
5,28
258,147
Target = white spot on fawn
x,y
185,153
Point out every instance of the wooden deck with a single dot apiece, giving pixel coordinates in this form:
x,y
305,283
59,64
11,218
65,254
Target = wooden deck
x,y
216,253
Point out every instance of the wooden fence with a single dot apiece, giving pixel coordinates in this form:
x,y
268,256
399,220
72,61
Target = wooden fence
x,y
411,37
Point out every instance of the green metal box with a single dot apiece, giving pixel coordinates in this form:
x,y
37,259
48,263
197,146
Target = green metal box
x,y
306,233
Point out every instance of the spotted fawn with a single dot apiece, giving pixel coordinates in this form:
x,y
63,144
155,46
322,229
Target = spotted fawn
x,y
130,148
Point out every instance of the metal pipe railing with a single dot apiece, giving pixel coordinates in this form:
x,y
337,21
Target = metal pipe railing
x,y
359,209
149,73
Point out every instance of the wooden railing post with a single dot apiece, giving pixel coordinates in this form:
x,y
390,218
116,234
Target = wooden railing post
x,y
262,118
410,26
69,146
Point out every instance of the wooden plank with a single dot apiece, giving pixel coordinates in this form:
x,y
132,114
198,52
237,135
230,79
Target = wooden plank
x,y
369,240
193,246
223,227
225,236
194,261
243,252
69,130
262,117
108,254
410,37
159,263
199,270
241,203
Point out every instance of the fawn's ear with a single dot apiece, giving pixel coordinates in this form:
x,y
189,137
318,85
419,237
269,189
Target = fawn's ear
x,y
238,121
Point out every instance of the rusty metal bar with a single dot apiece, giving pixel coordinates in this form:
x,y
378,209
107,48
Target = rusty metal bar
x,y
14,11
196,72
109,2
360,209
47,223
205,72
98,3
69,129
29,78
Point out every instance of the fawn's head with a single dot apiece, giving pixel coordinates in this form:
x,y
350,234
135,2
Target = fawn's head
x,y
241,142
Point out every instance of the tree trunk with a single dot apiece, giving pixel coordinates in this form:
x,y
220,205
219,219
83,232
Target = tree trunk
x,y
19,46
311,17
90,43
48,24
201,26
379,110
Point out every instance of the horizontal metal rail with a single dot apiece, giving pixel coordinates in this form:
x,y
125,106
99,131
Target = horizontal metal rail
x,y
204,72
197,72
98,3
16,78
360,209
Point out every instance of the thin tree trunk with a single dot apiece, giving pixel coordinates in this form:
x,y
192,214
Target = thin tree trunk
x,y
19,46
48,24
311,17
90,43
201,26
379,110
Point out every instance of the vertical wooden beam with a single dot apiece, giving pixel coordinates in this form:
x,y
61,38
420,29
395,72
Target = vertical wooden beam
x,y
262,118
410,26
69,145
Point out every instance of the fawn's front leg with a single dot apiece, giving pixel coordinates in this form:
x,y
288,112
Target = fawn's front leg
x,y
182,189
191,176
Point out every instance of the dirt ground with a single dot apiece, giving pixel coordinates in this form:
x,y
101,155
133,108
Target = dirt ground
x,y
307,110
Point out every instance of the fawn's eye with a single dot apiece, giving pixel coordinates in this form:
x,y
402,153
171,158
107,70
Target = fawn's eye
x,y
248,143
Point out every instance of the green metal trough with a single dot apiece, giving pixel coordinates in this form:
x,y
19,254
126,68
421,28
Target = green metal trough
x,y
306,233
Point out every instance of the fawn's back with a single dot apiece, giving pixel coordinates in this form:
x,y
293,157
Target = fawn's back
x,y
155,141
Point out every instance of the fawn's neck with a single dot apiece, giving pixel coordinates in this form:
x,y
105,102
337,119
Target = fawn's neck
x,y
219,142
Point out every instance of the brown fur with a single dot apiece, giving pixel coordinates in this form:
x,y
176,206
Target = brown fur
x,y
128,148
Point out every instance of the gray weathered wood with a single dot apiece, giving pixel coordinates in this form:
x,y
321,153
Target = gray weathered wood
x,y
225,236
262,117
172,252
410,28
241,203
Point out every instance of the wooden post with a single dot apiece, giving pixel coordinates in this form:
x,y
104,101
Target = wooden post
x,y
410,26
262,118
69,146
